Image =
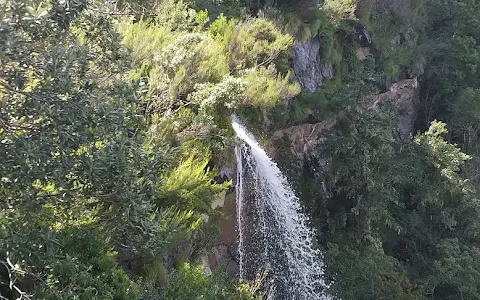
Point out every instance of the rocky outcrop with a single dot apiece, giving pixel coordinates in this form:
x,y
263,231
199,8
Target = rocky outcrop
x,y
225,253
305,137
405,95
308,69
362,36
363,52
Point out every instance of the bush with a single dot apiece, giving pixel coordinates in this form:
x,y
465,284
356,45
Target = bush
x,y
73,263
189,186
265,88
191,282
254,43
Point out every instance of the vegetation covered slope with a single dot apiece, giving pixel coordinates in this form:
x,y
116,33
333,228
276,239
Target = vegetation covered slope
x,y
108,149
113,114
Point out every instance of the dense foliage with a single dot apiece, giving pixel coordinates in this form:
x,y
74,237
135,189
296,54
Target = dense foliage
x,y
398,219
113,116
94,164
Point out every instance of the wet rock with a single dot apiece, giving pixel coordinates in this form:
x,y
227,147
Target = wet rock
x,y
228,171
233,270
225,253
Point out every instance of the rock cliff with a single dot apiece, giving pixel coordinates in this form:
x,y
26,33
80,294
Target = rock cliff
x,y
308,69
405,95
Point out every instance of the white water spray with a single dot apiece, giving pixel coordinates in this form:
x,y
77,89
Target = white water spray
x,y
273,232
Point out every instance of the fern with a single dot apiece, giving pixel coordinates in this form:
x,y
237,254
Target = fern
x,y
190,186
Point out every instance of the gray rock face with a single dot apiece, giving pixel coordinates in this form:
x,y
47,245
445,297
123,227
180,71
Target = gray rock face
x,y
225,253
309,71
327,70
405,95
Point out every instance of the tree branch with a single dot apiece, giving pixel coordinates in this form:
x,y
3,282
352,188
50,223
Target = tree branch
x,y
29,95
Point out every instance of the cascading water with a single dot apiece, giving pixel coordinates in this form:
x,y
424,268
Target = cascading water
x,y
273,233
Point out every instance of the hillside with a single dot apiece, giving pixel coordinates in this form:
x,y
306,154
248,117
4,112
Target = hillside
x,y
118,170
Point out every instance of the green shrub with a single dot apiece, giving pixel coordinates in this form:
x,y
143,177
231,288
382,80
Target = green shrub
x,y
265,88
191,282
189,186
145,40
73,263
254,43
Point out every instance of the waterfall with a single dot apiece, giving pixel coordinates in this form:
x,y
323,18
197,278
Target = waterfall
x,y
274,235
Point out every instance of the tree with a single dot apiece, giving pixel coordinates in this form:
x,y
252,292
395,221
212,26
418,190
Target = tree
x,y
80,174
